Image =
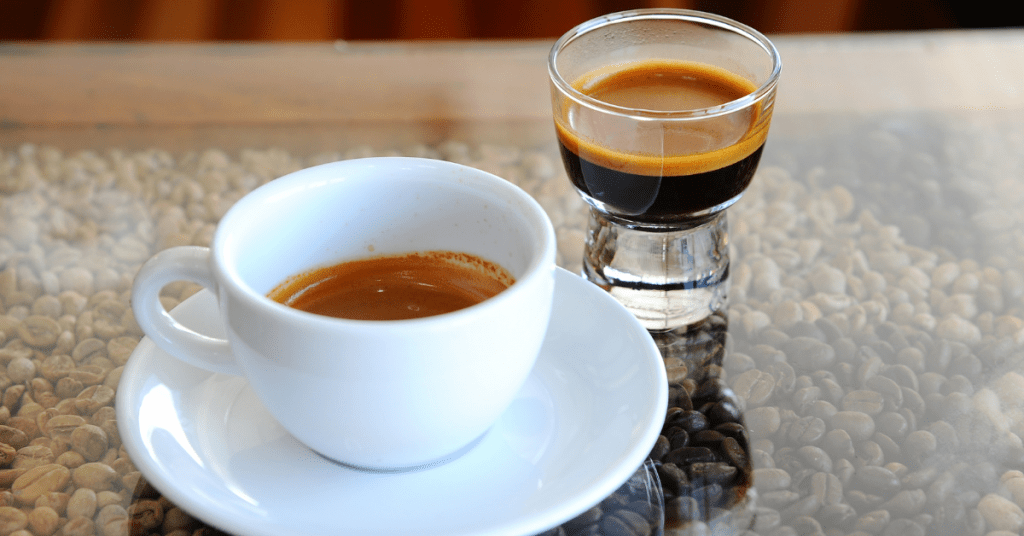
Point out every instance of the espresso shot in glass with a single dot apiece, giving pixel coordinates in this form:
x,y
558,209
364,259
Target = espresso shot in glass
x,y
661,116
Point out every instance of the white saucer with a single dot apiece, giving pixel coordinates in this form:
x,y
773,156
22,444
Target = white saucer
x,y
584,422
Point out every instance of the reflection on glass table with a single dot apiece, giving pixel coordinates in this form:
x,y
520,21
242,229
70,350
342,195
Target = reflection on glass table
x,y
874,342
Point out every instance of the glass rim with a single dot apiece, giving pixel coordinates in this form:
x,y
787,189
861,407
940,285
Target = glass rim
x,y
689,15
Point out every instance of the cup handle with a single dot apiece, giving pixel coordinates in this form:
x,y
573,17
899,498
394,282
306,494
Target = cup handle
x,y
184,263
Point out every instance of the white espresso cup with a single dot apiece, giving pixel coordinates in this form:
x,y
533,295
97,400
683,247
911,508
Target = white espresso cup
x,y
388,395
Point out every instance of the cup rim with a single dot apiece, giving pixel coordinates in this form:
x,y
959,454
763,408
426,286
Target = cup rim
x,y
689,15
541,263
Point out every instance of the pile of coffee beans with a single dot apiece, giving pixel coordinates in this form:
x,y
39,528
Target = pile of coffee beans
x,y
866,379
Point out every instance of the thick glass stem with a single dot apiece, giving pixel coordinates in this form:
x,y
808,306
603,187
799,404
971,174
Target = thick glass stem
x,y
669,277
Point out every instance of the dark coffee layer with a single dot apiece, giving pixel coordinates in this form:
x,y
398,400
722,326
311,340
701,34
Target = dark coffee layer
x,y
657,199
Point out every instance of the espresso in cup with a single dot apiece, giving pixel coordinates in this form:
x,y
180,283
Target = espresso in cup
x,y
395,287
390,395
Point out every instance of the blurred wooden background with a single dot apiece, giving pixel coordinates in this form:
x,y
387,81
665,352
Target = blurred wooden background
x,y
314,20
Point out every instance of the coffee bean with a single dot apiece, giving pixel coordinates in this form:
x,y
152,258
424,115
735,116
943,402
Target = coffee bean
x,y
838,515
673,478
873,522
876,480
704,473
588,518
806,506
680,509
815,458
807,525
677,438
37,481
734,430
771,479
822,409
763,421
807,430
806,396
806,353
724,411
707,438
827,488
660,449
625,523
892,424
857,424
688,455
692,421
904,527
735,454
906,503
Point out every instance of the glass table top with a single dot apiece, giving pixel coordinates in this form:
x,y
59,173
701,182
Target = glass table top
x,y
866,378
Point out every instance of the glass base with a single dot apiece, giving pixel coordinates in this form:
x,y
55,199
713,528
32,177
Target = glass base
x,y
669,277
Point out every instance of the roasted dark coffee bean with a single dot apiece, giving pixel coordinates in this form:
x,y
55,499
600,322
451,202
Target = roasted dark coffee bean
x,y
682,509
625,523
677,397
660,449
673,478
687,455
708,496
734,430
678,438
704,473
709,391
586,519
646,509
692,421
670,416
735,454
707,438
615,501
724,411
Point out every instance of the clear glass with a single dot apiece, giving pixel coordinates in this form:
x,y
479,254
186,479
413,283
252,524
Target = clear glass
x,y
661,117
